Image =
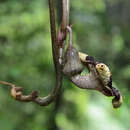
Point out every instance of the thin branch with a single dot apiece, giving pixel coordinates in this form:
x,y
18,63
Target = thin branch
x,y
65,16
16,92
64,23
53,33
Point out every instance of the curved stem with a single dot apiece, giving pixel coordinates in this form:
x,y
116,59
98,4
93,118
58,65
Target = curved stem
x,y
16,92
70,35
58,67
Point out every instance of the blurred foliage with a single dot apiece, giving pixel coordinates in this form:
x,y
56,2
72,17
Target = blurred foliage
x,y
101,29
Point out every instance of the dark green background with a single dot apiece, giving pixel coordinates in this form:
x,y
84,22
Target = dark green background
x,y
101,28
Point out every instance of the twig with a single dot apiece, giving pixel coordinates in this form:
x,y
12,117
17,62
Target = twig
x,y
16,92
65,15
64,23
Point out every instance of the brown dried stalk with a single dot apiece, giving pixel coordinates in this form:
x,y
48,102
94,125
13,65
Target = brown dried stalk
x,y
16,92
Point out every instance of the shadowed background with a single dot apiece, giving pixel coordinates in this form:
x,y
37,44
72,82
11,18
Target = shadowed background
x,y
101,28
